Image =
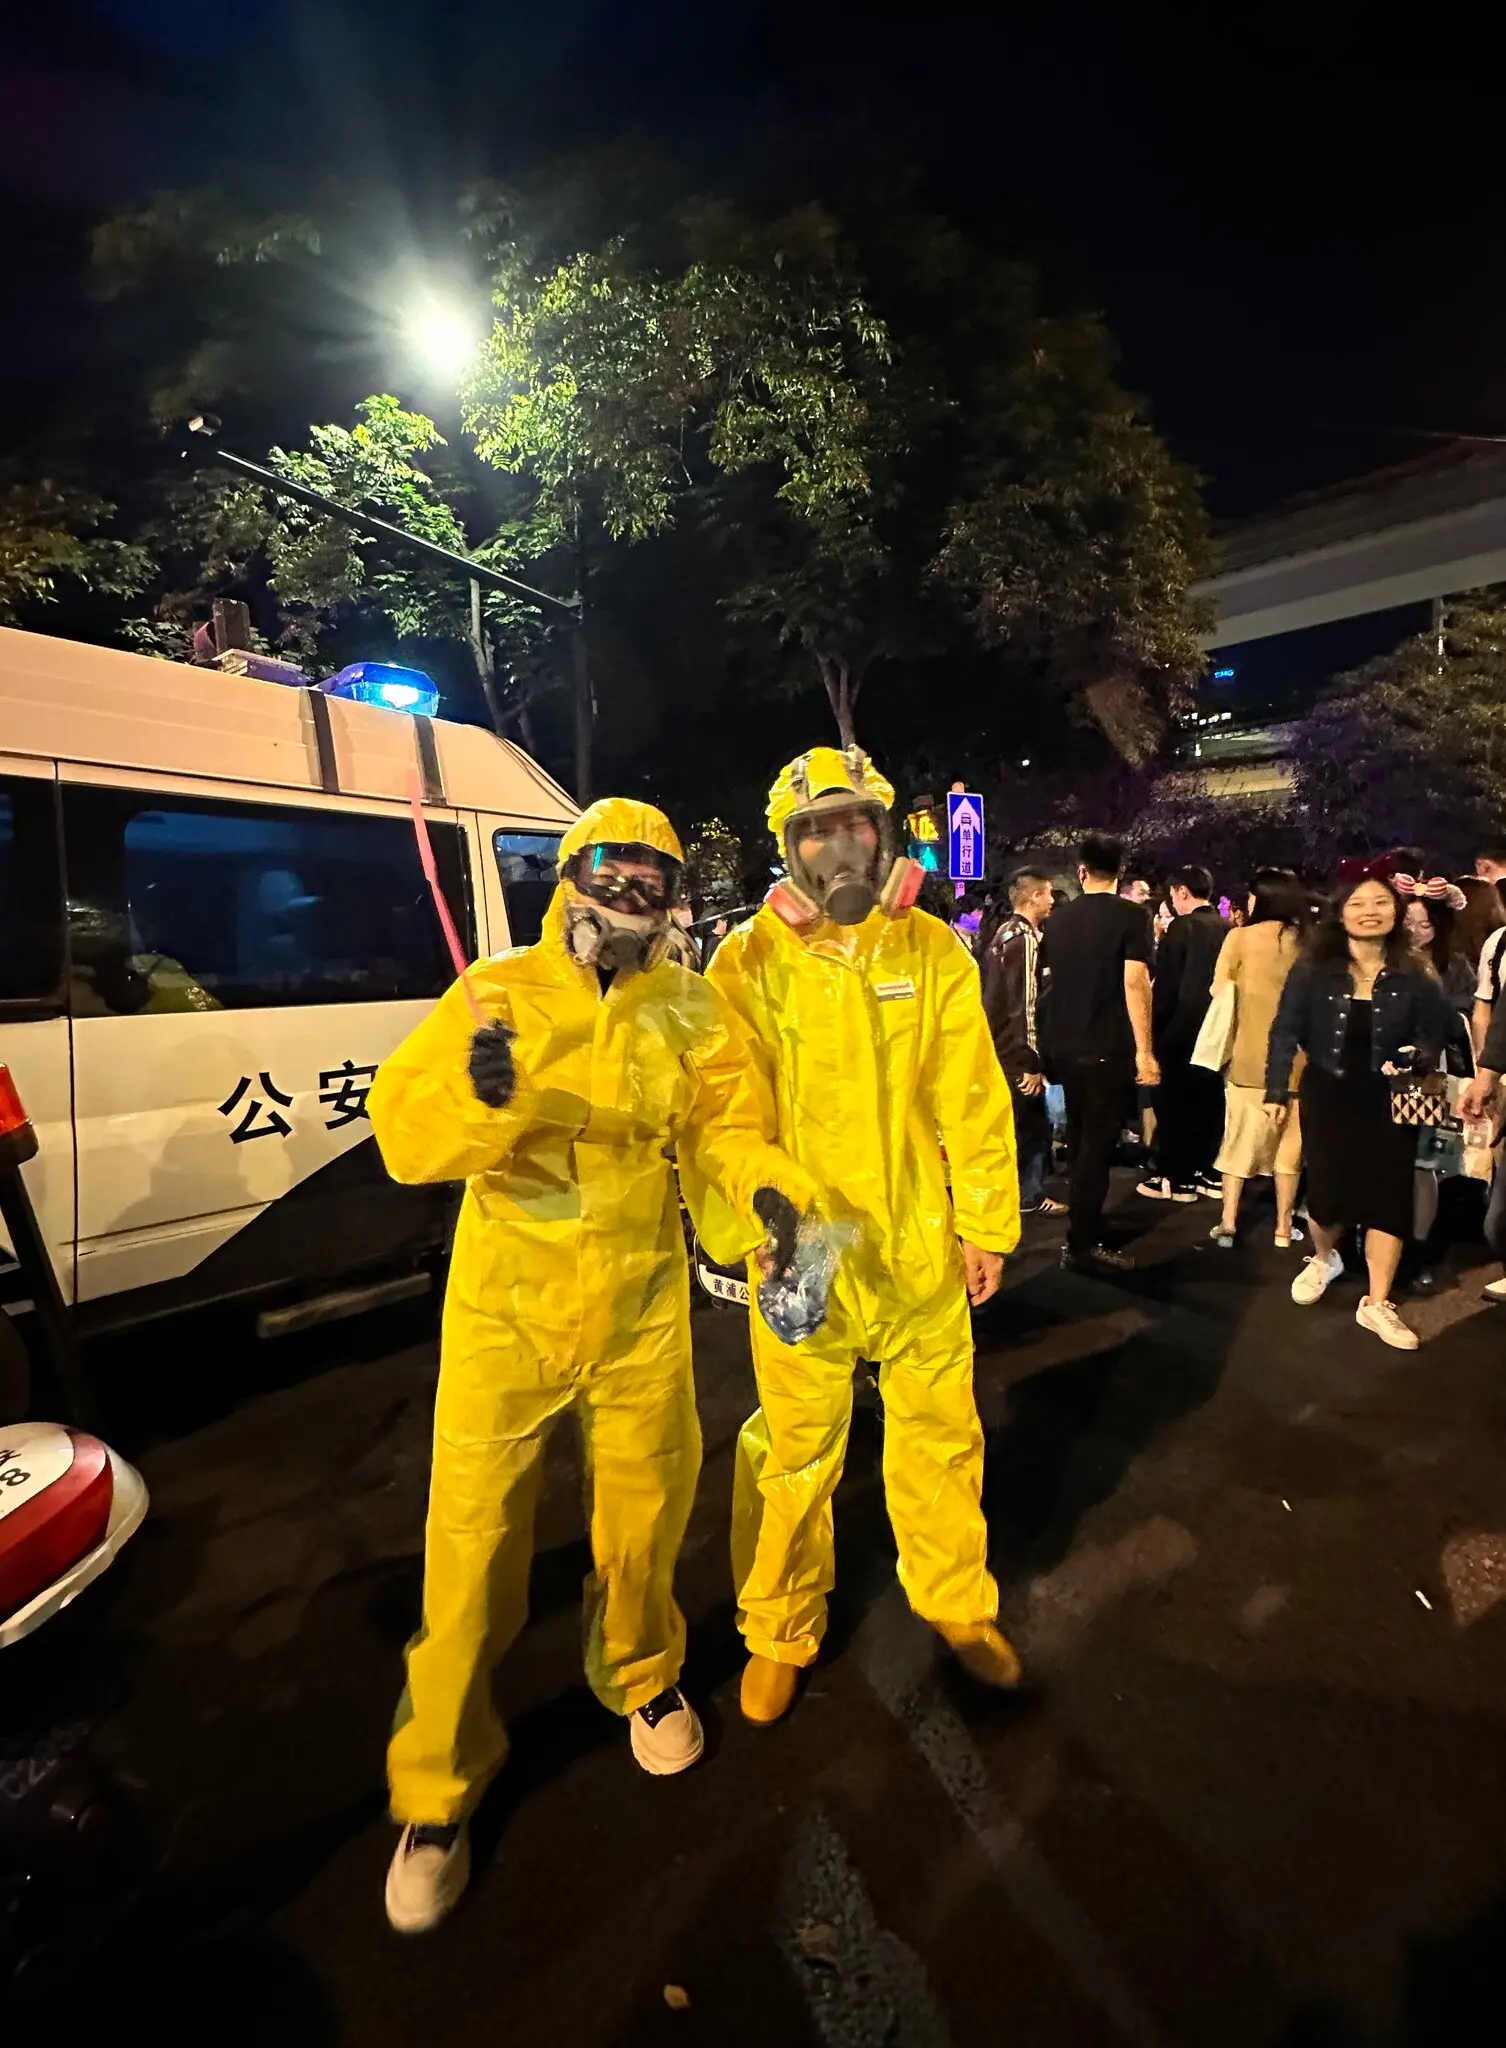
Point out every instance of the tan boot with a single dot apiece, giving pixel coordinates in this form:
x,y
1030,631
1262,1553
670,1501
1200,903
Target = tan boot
x,y
768,1689
985,1653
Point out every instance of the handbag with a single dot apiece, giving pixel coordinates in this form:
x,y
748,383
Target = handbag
x,y
1215,1039
1422,1101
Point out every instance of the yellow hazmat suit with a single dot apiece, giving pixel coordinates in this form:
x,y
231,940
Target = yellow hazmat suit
x,y
568,1292
875,1043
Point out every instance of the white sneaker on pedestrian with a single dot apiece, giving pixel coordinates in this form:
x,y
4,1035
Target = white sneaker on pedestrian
x,y
1163,1190
1381,1319
1318,1274
427,1876
666,1734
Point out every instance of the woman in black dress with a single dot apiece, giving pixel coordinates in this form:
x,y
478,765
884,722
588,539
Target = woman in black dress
x,y
1366,1012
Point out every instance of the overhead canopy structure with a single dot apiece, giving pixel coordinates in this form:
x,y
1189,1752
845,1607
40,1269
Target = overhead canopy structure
x,y
1401,536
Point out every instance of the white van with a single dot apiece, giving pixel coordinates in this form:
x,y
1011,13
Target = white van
x,y
214,925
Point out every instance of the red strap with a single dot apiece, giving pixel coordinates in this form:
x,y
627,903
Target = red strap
x,y
431,871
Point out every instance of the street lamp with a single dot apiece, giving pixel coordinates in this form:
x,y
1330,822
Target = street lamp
x,y
443,335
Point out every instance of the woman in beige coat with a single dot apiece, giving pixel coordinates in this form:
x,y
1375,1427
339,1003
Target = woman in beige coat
x,y
1256,960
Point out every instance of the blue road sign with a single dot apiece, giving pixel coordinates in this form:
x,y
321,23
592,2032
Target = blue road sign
x,y
964,830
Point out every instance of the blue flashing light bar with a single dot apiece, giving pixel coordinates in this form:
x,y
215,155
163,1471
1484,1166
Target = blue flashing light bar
x,y
381,683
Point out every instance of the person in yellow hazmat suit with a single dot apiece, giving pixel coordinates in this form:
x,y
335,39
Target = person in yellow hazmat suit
x,y
869,1023
568,1293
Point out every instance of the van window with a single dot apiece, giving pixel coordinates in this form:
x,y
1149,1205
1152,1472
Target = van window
x,y
183,904
31,898
528,863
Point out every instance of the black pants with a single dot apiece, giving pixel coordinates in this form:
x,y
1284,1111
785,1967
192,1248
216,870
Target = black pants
x,y
1100,1094
1032,1145
1189,1120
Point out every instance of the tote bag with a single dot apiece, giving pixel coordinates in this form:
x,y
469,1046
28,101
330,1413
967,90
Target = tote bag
x,y
1215,1040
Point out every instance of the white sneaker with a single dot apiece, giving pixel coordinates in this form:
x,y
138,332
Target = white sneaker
x,y
666,1734
1381,1319
1162,1190
427,1876
1318,1274
1496,1291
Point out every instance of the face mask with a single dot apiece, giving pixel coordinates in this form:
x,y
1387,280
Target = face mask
x,y
842,877
611,941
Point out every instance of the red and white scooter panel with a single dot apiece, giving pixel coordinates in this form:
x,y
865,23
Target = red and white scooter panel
x,y
67,1504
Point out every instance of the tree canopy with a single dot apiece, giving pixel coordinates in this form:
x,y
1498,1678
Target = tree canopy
x,y
1411,749
778,440
49,535
894,450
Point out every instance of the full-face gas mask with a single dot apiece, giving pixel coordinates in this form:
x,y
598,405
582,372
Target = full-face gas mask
x,y
617,903
837,853
839,857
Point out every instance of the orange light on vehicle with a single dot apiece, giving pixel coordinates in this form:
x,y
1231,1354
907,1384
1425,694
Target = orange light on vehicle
x,y
13,1116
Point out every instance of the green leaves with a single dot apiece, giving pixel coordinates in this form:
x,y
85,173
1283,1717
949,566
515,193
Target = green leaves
x,y
630,384
851,439
1413,746
48,533
893,448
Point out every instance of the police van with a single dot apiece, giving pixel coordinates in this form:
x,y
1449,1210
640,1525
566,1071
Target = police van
x,y
214,925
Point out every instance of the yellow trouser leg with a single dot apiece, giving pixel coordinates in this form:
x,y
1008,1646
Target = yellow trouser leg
x,y
789,1459
448,1741
642,1444
933,1465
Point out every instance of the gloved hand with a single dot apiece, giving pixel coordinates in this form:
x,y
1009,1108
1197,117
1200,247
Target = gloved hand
x,y
494,1076
781,1219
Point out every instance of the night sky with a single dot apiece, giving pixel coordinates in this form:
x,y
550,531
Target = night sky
x,y
1294,239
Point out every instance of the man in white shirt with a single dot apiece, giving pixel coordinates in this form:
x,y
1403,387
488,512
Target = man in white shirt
x,y
1488,986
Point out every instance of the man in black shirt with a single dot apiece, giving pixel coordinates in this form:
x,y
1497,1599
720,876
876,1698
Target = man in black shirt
x,y
1190,1101
1096,1035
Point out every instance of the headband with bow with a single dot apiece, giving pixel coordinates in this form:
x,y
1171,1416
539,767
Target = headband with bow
x,y
1435,890
1383,868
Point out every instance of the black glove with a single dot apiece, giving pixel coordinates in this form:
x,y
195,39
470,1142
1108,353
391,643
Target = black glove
x,y
493,1074
781,1219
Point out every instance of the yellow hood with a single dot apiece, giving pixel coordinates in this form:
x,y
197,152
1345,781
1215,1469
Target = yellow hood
x,y
625,821
821,769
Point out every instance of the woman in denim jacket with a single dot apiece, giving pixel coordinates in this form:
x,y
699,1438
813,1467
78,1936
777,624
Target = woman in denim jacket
x,y
1365,1012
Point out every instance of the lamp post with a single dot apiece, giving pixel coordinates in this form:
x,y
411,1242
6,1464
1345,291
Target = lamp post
x,y
479,575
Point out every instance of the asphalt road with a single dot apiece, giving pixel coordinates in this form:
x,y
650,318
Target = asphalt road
x,y
1255,1794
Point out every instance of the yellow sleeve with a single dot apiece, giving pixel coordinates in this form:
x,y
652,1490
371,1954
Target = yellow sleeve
x,y
428,1122
727,1151
973,1109
727,1144
1226,967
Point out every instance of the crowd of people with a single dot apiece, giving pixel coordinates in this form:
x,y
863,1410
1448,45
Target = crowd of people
x,y
1345,1044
